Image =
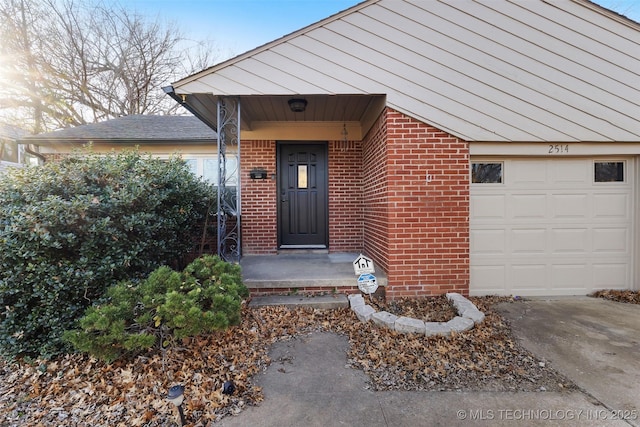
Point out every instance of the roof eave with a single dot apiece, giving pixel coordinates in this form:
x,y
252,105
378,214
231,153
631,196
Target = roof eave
x,y
267,46
117,141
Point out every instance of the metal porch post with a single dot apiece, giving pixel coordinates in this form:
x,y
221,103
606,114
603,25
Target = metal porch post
x,y
228,213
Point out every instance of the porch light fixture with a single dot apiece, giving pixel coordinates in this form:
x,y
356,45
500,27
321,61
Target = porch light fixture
x,y
176,396
297,105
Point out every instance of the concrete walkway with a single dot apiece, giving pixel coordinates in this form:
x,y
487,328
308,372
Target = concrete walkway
x,y
310,384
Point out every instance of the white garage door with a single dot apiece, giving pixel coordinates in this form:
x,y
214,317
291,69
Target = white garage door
x,y
551,226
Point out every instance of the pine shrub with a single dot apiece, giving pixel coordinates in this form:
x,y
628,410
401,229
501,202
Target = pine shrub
x,y
162,309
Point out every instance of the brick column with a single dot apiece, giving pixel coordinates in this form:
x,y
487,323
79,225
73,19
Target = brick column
x,y
422,193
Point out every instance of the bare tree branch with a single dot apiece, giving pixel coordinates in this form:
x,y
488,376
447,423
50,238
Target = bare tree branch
x,y
65,63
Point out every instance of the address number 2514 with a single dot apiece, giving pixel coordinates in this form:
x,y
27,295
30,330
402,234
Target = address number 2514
x,y
558,149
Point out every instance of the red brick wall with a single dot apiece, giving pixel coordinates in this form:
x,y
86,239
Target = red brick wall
x,y
374,186
258,204
259,201
345,196
428,221
380,201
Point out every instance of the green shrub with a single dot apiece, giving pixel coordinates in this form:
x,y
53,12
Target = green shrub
x,y
167,306
71,229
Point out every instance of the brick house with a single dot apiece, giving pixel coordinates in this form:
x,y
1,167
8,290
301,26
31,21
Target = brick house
x,y
486,147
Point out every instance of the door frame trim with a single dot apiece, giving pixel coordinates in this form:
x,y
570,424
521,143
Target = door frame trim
x,y
279,145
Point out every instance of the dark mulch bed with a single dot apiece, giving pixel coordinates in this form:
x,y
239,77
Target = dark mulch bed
x,y
433,309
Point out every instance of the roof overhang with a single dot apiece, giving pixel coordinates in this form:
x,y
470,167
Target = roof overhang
x,y
270,117
50,146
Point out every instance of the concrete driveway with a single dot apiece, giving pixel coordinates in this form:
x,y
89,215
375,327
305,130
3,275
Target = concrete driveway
x,y
593,342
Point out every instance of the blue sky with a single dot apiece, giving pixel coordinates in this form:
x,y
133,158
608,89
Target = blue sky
x,y
237,26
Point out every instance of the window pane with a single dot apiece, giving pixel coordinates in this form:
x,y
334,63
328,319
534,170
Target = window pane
x,y
302,176
232,170
193,165
9,151
609,172
210,171
209,167
486,173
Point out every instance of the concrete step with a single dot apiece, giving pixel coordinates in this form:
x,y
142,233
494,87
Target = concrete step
x,y
310,282
320,301
303,271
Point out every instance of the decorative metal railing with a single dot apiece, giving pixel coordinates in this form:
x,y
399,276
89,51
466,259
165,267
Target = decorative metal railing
x,y
228,180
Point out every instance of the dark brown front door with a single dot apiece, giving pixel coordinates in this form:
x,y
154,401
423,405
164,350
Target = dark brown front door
x,y
302,221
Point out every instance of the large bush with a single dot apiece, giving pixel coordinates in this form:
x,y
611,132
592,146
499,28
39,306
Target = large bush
x,y
71,229
167,306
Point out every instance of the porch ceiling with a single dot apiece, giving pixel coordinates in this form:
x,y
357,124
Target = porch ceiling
x,y
260,112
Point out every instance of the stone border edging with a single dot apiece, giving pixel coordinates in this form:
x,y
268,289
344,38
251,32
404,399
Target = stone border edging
x,y
468,316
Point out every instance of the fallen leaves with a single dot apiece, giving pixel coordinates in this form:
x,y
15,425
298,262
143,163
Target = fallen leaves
x,y
81,391
632,297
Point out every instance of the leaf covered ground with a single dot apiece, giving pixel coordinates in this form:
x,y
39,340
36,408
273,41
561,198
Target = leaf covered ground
x,y
80,391
631,297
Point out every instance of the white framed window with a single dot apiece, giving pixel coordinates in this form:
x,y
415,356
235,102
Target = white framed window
x,y
487,172
608,171
207,168
9,151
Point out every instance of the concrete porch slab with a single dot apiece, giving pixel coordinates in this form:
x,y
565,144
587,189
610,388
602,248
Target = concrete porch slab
x,y
302,270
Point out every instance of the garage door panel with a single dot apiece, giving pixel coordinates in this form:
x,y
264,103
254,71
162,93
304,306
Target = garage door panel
x,y
488,242
528,277
570,240
574,277
549,229
573,206
489,279
531,241
612,205
611,275
526,174
488,207
528,206
569,172
611,240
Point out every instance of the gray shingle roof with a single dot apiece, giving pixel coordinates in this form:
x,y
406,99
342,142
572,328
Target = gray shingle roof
x,y
135,128
11,132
